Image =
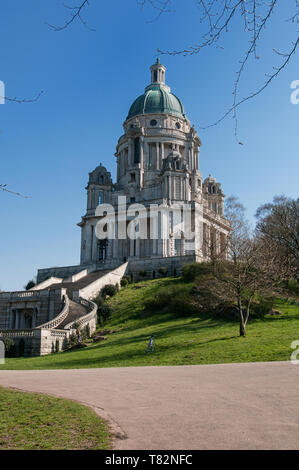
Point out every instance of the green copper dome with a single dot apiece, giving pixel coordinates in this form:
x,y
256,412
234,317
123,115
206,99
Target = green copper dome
x,y
157,99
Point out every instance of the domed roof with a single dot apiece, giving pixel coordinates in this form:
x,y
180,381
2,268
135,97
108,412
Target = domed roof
x,y
157,99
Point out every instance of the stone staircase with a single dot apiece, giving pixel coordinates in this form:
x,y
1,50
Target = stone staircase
x,y
81,283
76,311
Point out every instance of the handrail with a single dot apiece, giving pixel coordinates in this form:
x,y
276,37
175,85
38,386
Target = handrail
x,y
86,318
62,315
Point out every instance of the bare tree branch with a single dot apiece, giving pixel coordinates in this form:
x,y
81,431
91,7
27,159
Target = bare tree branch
x,y
218,15
20,101
75,15
161,6
4,188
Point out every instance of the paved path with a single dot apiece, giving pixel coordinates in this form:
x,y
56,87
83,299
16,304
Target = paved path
x,y
227,406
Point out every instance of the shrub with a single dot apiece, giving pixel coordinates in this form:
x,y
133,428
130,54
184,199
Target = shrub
x,y
124,282
57,345
104,310
109,290
21,347
9,345
191,271
142,273
293,287
87,330
73,340
29,285
261,308
162,271
175,299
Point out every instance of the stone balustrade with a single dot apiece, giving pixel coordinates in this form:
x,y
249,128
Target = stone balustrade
x,y
57,320
16,333
90,318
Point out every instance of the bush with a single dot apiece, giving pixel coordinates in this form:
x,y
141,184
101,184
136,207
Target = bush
x,y
175,299
9,345
124,282
73,340
21,347
191,271
109,290
293,287
261,308
104,310
142,273
87,330
162,271
29,285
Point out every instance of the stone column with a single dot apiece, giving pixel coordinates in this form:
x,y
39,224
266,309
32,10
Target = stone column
x,y
141,152
17,319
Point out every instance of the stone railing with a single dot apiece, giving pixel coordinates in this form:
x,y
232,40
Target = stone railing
x,y
62,315
112,277
47,283
16,333
90,317
27,294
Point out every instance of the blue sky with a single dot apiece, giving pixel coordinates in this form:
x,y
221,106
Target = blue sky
x,y
90,79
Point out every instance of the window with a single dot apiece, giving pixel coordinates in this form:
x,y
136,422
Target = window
x,y
177,125
102,249
153,122
155,76
133,177
137,150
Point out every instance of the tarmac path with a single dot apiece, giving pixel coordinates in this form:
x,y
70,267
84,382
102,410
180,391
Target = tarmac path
x,y
222,406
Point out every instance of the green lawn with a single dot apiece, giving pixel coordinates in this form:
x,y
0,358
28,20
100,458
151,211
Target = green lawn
x,y
179,340
39,422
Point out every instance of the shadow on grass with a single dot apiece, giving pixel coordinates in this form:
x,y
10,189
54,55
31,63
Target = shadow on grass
x,y
137,355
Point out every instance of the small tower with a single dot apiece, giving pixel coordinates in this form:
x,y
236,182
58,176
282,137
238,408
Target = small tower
x,y
158,73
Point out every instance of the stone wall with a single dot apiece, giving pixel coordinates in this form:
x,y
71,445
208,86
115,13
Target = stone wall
x,y
38,342
61,272
47,283
93,289
151,266
46,304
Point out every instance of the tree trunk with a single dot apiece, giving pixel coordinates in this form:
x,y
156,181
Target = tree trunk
x,y
242,328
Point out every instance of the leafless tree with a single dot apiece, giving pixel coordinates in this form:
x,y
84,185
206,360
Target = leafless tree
x,y
250,271
278,229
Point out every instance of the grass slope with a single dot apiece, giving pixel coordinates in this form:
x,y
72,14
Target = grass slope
x,y
39,422
179,340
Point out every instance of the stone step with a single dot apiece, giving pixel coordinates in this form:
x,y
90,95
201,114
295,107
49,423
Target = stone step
x,y
81,283
76,311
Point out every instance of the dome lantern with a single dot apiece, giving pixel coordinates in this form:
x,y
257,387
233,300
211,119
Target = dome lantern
x,y
158,73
